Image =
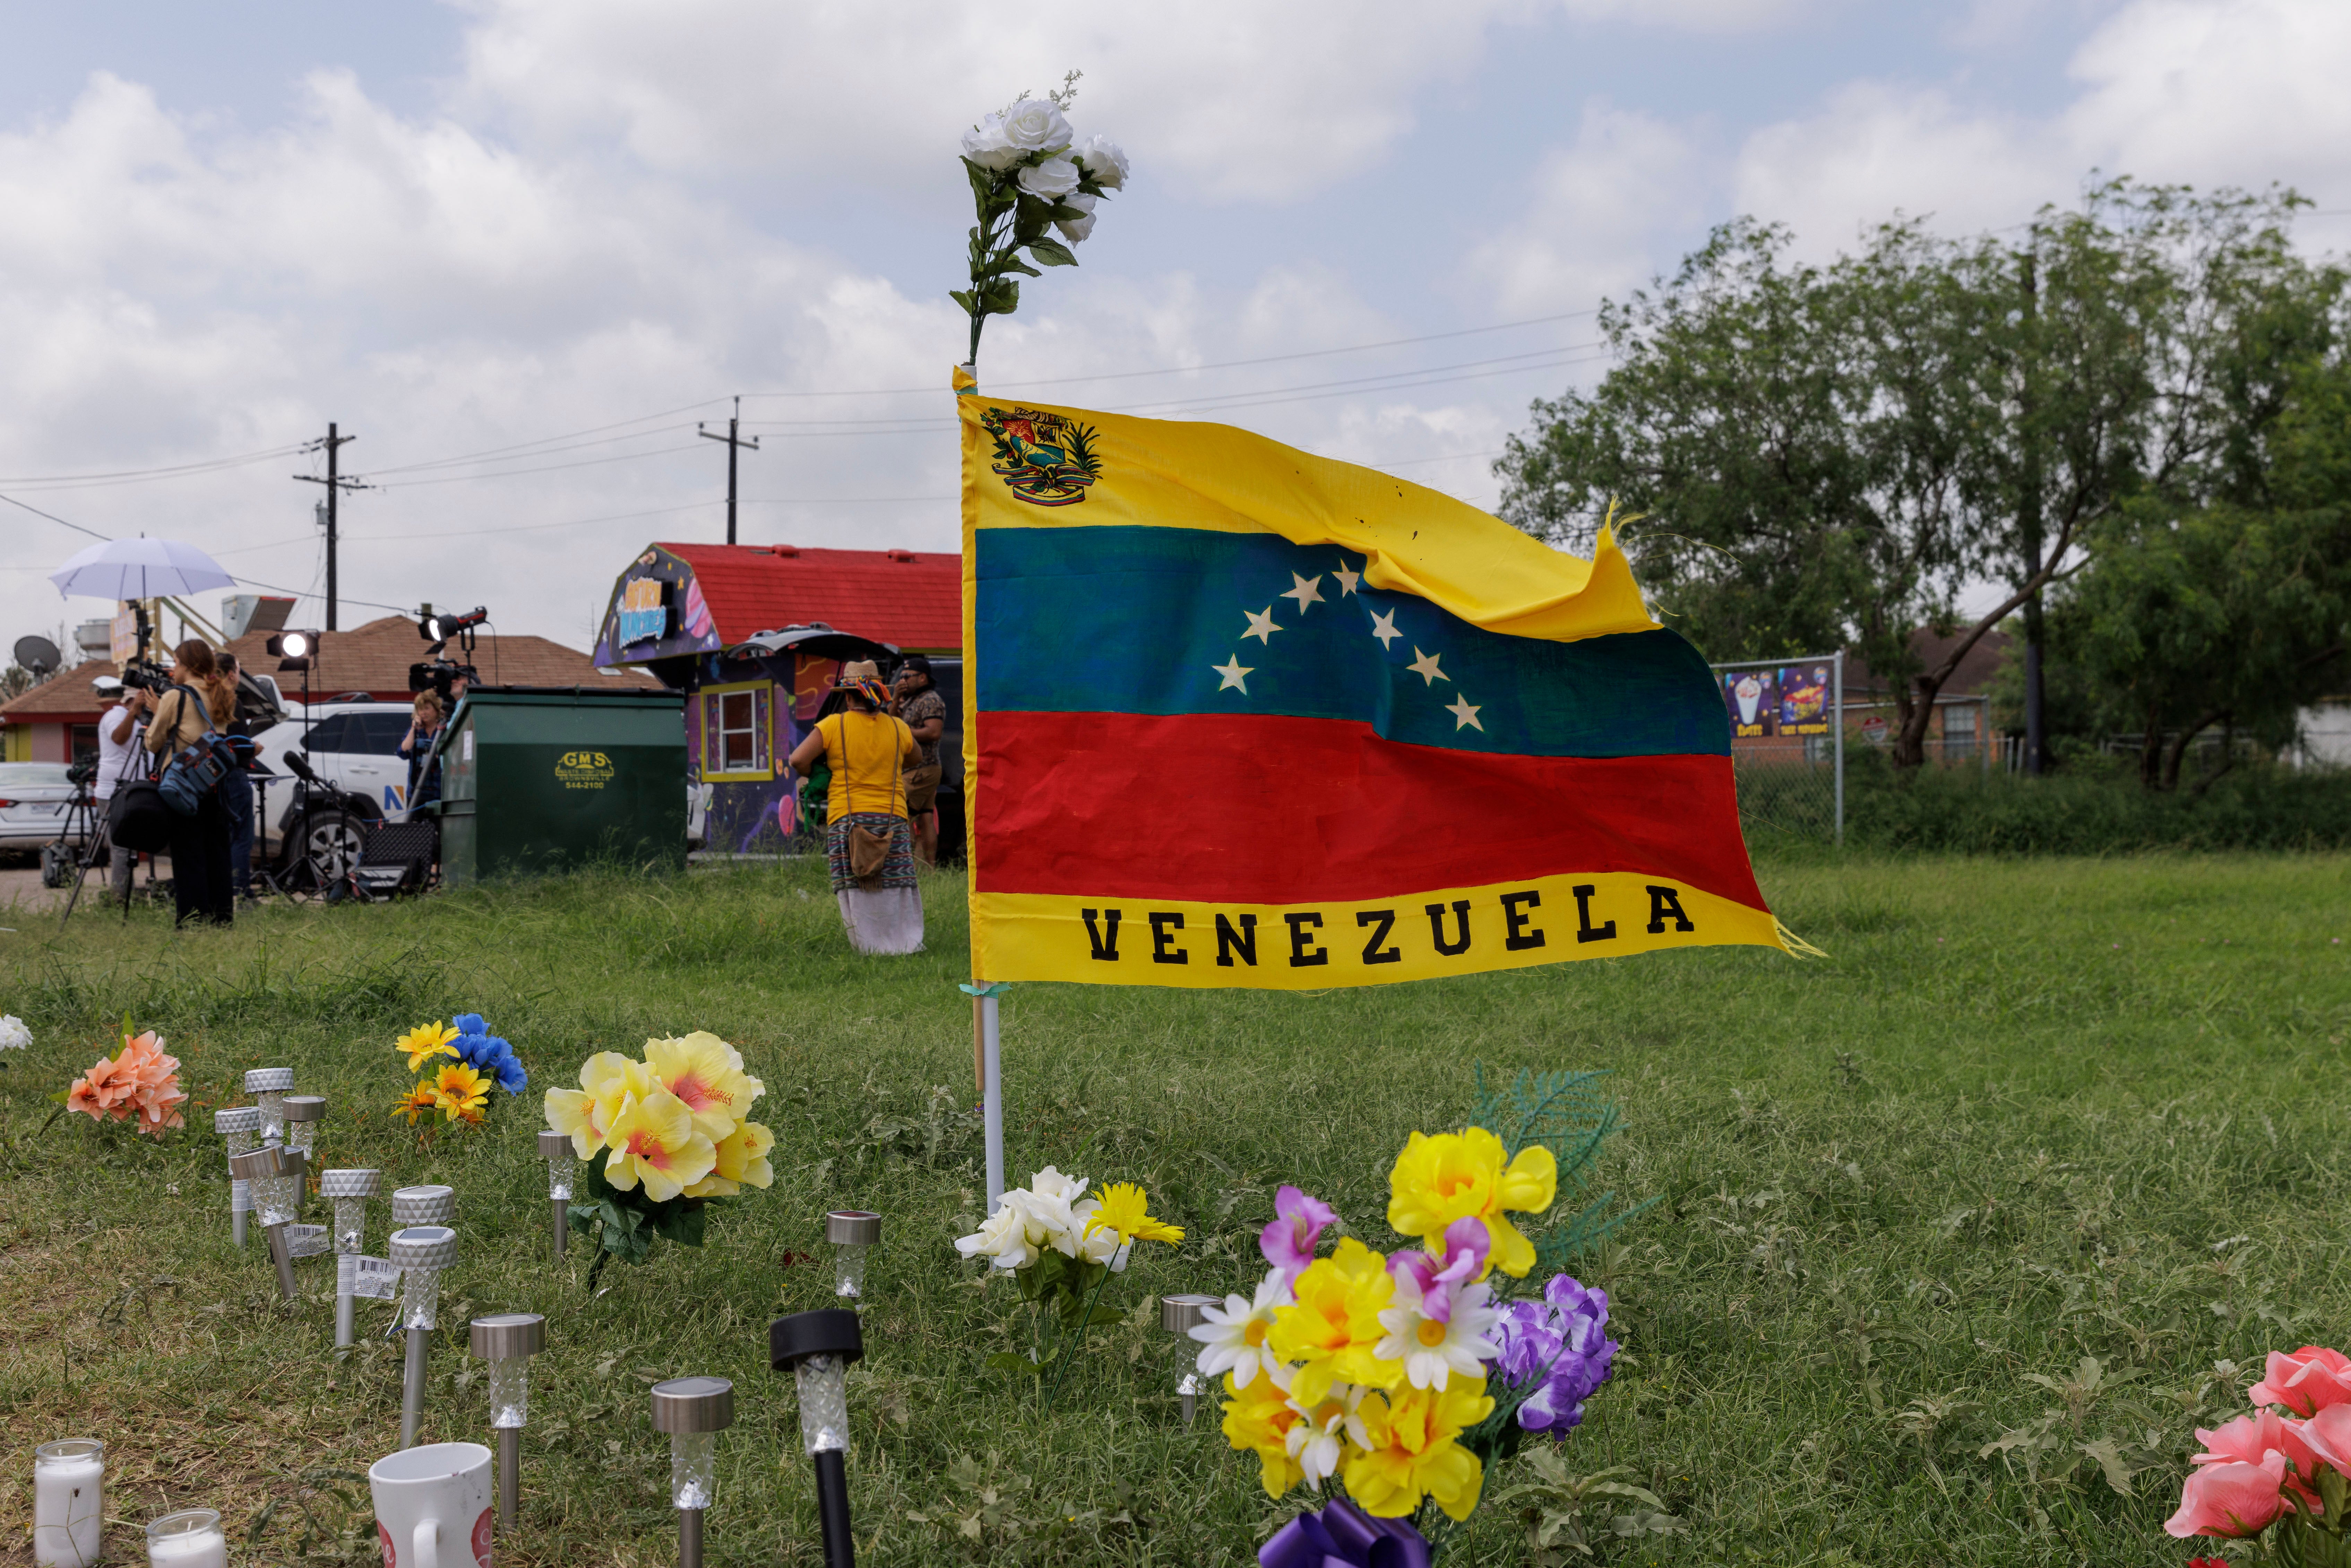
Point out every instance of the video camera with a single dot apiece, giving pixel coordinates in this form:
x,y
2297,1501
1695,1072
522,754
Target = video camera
x,y
146,675
439,674
83,772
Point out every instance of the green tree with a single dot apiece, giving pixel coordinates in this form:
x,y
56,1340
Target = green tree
x,y
1840,453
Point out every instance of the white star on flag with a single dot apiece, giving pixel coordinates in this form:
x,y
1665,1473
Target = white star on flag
x,y
1347,579
1464,714
1306,594
1424,666
1384,627
1260,627
1234,672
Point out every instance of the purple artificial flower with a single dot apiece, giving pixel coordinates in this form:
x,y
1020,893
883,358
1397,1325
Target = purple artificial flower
x,y
1466,1244
1290,1240
1557,1344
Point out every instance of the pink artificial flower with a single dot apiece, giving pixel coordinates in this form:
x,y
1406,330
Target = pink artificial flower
x,y
2249,1439
2306,1382
2231,1499
1467,1242
2327,1435
138,1082
1290,1240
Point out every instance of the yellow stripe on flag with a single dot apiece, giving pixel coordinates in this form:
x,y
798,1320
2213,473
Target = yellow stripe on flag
x,y
1174,942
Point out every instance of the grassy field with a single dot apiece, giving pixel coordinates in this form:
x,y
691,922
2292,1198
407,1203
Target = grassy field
x,y
2040,1157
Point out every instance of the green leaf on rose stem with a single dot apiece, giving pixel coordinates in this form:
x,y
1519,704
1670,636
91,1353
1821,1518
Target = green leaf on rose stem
x,y
1052,253
1106,1314
1016,265
961,296
983,181
1005,1361
1002,299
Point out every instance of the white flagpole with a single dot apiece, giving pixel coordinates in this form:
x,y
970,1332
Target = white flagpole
x,y
992,1100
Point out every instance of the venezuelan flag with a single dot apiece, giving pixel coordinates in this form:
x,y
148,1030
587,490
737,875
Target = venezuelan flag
x,y
1238,715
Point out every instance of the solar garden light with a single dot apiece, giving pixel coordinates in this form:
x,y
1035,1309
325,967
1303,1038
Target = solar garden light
x,y
563,1163
350,1189
819,1346
507,1341
693,1411
275,1172
301,1115
851,1232
423,1206
270,1086
420,1253
1179,1316
238,1126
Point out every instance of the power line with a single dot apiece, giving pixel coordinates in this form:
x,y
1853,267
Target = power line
x,y
55,518
544,468
143,475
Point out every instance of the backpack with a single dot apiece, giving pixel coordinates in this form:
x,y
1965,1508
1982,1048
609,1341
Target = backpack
x,y
197,770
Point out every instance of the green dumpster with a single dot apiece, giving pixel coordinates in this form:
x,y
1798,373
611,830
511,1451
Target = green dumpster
x,y
541,780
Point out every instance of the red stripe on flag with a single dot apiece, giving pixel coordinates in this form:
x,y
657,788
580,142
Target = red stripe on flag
x,y
1262,809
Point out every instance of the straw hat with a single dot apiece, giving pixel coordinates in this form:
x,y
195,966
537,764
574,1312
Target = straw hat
x,y
858,669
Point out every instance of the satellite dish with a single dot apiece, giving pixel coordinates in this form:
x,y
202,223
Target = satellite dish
x,y
38,654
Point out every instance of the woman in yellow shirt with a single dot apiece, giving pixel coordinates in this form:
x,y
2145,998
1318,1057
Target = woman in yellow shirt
x,y
869,842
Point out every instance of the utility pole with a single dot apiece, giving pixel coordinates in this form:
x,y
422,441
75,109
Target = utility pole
x,y
334,445
735,445
2029,517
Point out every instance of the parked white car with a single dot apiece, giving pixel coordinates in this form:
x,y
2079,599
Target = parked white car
x,y
33,797
352,745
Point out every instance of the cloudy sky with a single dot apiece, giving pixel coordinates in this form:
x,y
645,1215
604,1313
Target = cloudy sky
x,y
520,248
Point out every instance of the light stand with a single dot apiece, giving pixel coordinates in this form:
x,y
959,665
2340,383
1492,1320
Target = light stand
x,y
276,1173
1179,1316
238,1126
562,1163
819,1346
420,1253
507,1341
852,1232
693,1411
349,1189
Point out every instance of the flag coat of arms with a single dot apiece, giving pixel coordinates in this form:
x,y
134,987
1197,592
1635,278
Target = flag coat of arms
x,y
1238,716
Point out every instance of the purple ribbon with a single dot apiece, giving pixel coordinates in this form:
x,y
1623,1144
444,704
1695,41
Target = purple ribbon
x,y
1342,1536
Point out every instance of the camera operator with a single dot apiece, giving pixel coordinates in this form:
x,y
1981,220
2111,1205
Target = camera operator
x,y
200,866
424,768
122,717
236,791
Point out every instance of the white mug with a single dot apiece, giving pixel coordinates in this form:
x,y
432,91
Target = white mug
x,y
433,1506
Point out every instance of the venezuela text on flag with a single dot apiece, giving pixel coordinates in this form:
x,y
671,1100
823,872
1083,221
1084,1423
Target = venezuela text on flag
x,y
1238,716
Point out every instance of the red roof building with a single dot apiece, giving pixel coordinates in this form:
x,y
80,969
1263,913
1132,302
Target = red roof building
x,y
689,599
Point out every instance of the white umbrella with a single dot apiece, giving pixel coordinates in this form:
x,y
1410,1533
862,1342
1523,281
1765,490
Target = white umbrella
x,y
140,568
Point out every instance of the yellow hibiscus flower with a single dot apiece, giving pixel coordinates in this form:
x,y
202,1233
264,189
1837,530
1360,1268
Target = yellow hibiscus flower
x,y
1335,1323
606,1080
1258,1420
741,1162
1412,1453
707,1073
654,1141
1456,1175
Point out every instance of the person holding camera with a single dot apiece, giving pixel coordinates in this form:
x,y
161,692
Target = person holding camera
x,y
122,717
424,768
236,791
199,700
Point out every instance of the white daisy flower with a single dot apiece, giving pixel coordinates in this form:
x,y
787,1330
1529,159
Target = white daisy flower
x,y
1233,1338
1439,1334
1316,1442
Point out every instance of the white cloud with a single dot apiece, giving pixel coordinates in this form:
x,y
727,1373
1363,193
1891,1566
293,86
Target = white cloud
x,y
1598,215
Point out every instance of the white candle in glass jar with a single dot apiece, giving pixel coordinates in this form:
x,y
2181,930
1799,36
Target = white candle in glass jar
x,y
68,1504
192,1539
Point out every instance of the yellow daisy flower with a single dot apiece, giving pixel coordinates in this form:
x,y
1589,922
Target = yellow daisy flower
x,y
461,1092
420,1100
425,1041
1122,1209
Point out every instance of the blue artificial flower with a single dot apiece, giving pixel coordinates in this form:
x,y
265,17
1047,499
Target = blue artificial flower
x,y
487,1054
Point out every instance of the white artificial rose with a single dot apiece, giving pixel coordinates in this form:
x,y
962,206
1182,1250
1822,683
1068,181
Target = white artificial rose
x,y
1035,125
1076,229
1052,178
1106,162
987,145
14,1035
1003,1241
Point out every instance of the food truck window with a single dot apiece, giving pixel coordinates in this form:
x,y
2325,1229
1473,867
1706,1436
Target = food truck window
x,y
736,722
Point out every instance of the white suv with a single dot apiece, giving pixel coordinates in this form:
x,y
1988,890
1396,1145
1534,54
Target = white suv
x,y
352,745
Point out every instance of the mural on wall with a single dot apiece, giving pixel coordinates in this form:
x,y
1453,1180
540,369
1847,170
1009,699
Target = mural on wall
x,y
755,816
656,611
